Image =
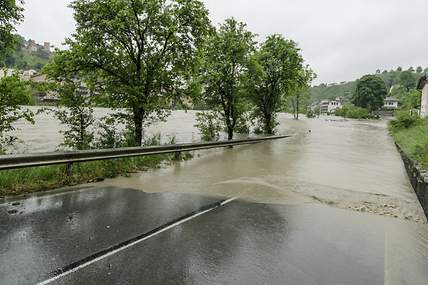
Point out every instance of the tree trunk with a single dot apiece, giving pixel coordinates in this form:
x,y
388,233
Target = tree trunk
x,y
81,132
229,133
297,107
268,124
138,125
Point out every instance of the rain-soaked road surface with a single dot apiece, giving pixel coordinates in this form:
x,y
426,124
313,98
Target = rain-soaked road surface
x,y
330,206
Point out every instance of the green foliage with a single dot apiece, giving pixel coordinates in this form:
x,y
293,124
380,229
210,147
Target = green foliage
x,y
411,100
407,80
209,125
332,91
11,13
413,139
275,71
139,54
346,89
74,108
110,135
404,119
21,59
243,126
224,63
311,114
370,93
13,94
298,99
352,112
51,177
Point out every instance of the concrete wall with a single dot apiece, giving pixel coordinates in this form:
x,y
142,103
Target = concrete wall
x,y
424,102
418,178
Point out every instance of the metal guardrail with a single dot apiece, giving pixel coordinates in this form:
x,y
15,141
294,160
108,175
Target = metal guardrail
x,y
52,158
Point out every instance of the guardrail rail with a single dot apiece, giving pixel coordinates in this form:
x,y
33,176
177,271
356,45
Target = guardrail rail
x,y
52,158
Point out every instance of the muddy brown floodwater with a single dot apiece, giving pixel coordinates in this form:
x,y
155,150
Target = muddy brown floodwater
x,y
341,184
345,164
351,169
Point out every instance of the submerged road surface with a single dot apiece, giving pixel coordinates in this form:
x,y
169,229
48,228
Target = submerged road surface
x,y
330,206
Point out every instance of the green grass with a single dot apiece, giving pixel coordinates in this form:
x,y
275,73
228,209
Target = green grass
x,y
413,140
19,181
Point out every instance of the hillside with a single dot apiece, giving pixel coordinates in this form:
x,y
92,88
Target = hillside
x,y
20,58
407,78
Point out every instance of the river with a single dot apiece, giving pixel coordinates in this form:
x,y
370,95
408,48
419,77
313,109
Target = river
x,y
45,136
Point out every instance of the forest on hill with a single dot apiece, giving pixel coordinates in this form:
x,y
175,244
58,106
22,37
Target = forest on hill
x,y
400,77
20,58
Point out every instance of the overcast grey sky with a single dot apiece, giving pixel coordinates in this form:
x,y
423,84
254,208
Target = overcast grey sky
x,y
341,39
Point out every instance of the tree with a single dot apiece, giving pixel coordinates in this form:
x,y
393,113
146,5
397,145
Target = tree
x,y
138,54
209,125
74,109
299,95
370,92
13,94
10,16
275,70
408,80
224,65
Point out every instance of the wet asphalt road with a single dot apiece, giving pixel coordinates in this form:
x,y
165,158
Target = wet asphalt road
x,y
238,243
53,231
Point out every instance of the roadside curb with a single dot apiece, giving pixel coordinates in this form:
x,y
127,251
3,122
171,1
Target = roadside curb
x,y
418,177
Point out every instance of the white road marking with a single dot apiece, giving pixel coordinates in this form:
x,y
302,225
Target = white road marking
x,y
135,242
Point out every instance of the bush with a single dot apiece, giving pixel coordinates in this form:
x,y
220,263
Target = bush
x,y
352,112
243,125
209,125
310,114
404,120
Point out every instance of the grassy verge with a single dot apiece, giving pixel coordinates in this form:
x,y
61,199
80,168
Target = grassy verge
x,y
412,136
19,181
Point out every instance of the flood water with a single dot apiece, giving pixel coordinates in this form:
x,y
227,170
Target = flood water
x,y
329,169
344,164
45,136
331,172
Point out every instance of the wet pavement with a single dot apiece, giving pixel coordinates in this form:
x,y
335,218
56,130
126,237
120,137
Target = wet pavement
x,y
247,243
50,232
330,206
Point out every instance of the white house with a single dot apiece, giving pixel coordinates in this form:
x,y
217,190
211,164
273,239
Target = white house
x,y
330,106
6,72
423,86
390,103
27,74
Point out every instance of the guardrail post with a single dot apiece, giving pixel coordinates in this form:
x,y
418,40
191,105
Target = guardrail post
x,y
177,156
69,169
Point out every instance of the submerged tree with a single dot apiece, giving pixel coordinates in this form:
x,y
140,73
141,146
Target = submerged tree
x,y
224,64
139,54
299,95
74,108
13,94
276,71
370,93
10,15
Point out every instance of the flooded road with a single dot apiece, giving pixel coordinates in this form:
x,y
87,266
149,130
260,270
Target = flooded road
x,y
344,164
330,205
